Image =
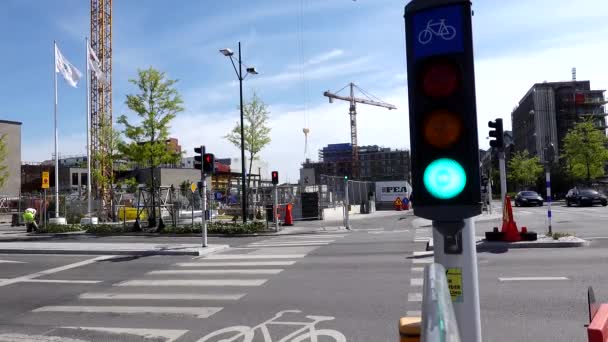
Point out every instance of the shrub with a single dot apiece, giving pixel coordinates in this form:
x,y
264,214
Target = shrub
x,y
107,228
217,227
58,228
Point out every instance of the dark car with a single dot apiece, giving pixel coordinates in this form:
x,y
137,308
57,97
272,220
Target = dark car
x,y
582,197
525,198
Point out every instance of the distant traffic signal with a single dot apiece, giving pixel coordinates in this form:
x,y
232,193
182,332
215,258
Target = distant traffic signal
x,y
209,163
198,158
497,133
442,110
275,177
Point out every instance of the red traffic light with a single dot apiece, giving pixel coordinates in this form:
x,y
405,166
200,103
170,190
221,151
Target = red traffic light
x,y
275,177
440,79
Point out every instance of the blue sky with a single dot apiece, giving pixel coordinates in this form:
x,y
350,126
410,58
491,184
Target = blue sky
x,y
333,42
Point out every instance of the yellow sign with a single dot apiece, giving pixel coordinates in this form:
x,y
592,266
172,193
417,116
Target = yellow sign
x,y
398,201
454,276
193,187
45,179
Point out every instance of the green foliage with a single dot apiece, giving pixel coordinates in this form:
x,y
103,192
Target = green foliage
x,y
58,228
130,183
156,105
105,159
3,167
585,151
216,227
257,132
524,169
557,235
107,229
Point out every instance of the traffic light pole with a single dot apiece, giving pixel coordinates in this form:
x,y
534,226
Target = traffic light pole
x,y
548,178
276,207
460,262
503,177
346,205
204,204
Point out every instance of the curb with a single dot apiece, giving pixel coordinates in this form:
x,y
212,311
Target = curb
x,y
530,244
192,251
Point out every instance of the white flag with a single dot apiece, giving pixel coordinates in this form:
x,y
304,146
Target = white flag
x,y
94,65
67,70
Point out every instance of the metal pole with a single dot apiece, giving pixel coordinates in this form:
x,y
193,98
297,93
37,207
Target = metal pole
x,y
490,189
503,177
88,77
346,204
548,178
276,207
204,204
56,136
192,209
463,267
243,185
43,207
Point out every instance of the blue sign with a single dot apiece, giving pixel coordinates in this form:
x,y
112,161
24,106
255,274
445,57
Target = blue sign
x,y
438,31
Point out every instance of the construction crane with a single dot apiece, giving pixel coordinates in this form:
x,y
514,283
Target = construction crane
x,y
101,97
372,101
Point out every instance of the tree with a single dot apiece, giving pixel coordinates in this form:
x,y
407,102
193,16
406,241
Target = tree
x,y
257,132
585,151
156,105
524,169
3,167
105,160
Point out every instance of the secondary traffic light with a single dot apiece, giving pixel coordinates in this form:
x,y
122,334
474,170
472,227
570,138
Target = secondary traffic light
x,y
275,177
442,110
209,163
497,133
198,158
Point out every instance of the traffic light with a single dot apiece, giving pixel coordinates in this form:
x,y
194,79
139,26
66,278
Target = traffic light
x,y
442,109
198,158
275,177
497,134
209,163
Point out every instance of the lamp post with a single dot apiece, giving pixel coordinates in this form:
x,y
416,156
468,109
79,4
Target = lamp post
x,y
239,73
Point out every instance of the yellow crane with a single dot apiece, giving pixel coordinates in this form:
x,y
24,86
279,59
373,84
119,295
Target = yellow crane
x,y
369,100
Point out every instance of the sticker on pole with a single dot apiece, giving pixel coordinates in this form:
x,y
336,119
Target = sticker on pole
x,y
454,276
45,179
193,187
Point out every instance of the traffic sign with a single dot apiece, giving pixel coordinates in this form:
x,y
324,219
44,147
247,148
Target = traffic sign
x,y
193,187
45,179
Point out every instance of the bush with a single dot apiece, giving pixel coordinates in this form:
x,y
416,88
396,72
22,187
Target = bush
x,y
219,228
107,229
557,235
58,228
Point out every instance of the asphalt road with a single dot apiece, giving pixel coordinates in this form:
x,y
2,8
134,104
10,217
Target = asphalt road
x,y
338,284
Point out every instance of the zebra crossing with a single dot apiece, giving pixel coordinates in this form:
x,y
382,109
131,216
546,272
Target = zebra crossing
x,y
423,234
196,289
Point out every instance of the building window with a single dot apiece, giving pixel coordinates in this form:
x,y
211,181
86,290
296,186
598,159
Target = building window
x,y
74,179
83,178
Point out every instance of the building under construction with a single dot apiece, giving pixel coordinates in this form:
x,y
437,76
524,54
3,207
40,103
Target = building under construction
x,y
374,163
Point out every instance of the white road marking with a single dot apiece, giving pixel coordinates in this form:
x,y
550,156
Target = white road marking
x,y
423,253
61,281
414,297
35,338
422,240
310,236
253,256
417,269
288,244
161,296
230,271
390,232
200,312
169,335
53,270
416,282
237,263
531,278
12,262
205,282
415,313
422,261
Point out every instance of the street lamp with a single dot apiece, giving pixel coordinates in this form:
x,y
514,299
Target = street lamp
x,y
239,73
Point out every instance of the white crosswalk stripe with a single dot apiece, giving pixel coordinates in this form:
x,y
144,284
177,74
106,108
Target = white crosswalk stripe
x,y
200,312
193,282
236,263
162,296
216,271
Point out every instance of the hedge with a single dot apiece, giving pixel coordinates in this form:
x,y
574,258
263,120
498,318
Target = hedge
x,y
219,228
58,228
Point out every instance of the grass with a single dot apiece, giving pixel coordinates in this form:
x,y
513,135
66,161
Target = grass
x,y
557,235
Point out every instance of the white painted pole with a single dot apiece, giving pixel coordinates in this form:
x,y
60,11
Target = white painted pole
x,y
503,177
548,178
56,135
88,77
346,204
467,307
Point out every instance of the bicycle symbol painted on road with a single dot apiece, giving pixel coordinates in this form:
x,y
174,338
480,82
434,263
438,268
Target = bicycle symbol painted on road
x,y
436,28
307,331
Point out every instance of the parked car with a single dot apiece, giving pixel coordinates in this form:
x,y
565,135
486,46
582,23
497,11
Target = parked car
x,y
525,198
582,197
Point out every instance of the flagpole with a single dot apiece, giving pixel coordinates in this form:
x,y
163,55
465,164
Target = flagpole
x,y
88,77
56,135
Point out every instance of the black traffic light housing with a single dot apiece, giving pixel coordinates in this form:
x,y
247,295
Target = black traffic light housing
x,y
497,133
442,110
198,158
275,177
208,163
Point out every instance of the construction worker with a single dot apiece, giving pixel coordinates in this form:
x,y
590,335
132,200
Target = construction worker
x,y
29,217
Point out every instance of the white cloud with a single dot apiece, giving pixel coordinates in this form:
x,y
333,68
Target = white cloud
x,y
318,59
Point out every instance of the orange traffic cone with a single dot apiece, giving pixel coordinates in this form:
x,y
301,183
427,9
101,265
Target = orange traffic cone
x,y
288,216
509,227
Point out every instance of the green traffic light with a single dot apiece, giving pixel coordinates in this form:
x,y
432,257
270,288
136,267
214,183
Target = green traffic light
x,y
444,178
